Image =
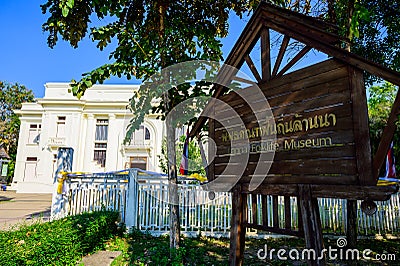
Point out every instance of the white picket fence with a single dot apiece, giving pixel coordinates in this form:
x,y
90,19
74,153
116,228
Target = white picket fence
x,y
142,201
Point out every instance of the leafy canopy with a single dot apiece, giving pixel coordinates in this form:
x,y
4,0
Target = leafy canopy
x,y
150,35
380,103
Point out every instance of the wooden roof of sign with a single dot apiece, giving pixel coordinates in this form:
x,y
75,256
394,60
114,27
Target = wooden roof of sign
x,y
340,80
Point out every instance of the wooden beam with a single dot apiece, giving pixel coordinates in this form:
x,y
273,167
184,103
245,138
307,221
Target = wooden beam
x,y
361,127
311,223
387,136
295,59
378,193
281,53
238,230
311,38
243,46
351,224
242,80
252,67
313,23
265,55
275,230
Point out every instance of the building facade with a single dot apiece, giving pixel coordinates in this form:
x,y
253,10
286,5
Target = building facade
x,y
94,126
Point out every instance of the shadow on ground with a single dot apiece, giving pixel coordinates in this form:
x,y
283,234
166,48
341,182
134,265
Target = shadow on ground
x,y
4,198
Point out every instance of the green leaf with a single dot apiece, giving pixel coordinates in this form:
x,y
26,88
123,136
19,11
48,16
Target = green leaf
x,y
88,83
70,3
65,11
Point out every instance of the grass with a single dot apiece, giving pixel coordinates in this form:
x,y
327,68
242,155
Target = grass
x,y
143,249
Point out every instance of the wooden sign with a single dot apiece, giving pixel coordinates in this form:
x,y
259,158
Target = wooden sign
x,y
317,132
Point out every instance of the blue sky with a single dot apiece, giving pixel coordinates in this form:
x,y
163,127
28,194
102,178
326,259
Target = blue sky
x,y
26,58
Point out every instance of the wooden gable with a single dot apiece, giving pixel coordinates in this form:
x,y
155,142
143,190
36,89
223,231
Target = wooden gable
x,y
331,89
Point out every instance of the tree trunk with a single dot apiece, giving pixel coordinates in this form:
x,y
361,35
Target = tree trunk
x,y
351,231
350,11
174,224
173,197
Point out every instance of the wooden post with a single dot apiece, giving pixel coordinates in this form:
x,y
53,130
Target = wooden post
x,y
311,224
264,202
238,230
288,214
351,226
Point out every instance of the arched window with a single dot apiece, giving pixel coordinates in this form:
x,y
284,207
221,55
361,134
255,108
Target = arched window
x,y
140,135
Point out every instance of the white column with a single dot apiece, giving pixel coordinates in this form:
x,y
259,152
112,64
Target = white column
x,y
89,144
112,143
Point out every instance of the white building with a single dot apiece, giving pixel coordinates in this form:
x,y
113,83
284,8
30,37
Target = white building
x,y
93,126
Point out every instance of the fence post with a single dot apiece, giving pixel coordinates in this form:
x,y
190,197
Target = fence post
x,y
131,200
59,200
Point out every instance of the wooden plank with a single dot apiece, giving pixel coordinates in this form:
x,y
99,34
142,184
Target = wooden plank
x,y
306,74
238,231
296,94
252,67
354,192
294,60
281,53
313,70
288,214
313,153
288,179
265,55
326,72
342,114
361,127
317,166
311,223
275,217
275,230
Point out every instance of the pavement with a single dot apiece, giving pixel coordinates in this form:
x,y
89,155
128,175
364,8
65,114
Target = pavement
x,y
100,258
18,208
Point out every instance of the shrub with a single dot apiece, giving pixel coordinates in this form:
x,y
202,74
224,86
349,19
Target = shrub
x,y
60,242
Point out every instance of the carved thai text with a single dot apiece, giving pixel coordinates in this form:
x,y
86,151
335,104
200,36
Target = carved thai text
x,y
283,127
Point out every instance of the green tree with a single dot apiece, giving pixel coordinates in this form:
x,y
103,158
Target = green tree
x,y
150,36
11,98
380,102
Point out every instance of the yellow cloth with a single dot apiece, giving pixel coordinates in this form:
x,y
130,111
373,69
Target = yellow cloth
x,y
198,177
64,176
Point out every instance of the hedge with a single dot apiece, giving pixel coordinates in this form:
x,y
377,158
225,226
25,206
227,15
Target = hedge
x,y
60,242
